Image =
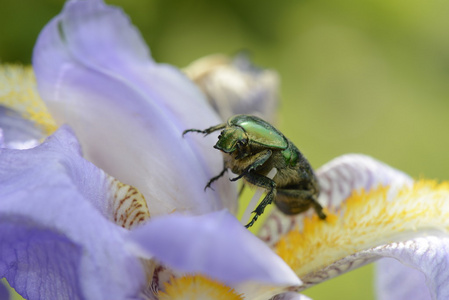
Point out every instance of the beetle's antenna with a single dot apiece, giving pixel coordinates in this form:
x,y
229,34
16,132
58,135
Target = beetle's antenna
x,y
255,199
206,131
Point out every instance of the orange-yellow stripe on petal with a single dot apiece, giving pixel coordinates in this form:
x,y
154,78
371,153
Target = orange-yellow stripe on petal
x,y
365,220
18,91
197,287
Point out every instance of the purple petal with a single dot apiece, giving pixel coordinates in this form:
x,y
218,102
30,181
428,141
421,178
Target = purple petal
x,y
430,255
4,293
397,281
216,245
95,73
338,179
16,132
55,243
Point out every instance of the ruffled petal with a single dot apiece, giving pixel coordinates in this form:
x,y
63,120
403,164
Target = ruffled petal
x,y
424,273
216,245
96,74
55,239
338,180
395,280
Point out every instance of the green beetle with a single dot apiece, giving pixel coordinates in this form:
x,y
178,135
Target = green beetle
x,y
254,147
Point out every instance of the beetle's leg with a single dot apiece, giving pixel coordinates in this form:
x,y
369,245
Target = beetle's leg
x,y
261,158
319,210
206,131
225,169
266,183
295,201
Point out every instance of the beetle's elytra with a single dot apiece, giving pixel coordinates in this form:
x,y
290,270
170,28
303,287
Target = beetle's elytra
x,y
253,148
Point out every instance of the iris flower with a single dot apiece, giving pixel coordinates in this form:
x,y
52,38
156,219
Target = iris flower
x,y
111,204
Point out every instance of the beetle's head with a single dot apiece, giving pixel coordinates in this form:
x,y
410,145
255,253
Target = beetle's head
x,y
231,139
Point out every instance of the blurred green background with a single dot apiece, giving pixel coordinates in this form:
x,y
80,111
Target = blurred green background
x,y
357,76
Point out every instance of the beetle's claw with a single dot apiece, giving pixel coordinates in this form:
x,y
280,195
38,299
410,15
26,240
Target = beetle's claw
x,y
251,223
208,186
185,131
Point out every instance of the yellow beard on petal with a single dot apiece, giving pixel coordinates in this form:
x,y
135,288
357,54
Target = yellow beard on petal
x,y
18,91
197,287
366,220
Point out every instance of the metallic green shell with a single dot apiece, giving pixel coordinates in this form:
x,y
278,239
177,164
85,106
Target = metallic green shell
x,y
259,131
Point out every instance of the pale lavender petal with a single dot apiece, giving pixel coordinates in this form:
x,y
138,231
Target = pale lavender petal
x,y
2,139
395,281
216,245
430,255
16,132
338,179
96,74
424,273
55,243
4,293
346,174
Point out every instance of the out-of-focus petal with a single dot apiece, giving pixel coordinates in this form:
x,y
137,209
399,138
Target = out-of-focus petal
x,y
338,180
396,281
214,244
55,239
96,74
4,293
235,86
16,132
